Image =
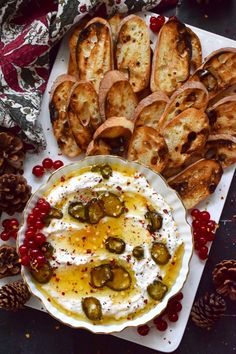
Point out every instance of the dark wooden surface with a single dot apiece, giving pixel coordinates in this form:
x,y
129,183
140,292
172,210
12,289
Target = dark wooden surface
x,y
33,332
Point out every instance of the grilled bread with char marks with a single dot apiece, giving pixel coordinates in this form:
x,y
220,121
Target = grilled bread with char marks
x,y
172,58
196,57
197,181
116,96
186,134
222,116
116,133
83,112
222,148
72,66
148,146
190,95
94,53
133,52
98,148
59,117
149,110
218,71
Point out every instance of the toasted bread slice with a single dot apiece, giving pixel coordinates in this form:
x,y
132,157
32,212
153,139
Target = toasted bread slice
x,y
218,71
172,58
228,91
94,53
83,112
196,59
58,115
149,110
197,181
116,133
98,148
114,23
191,94
222,148
72,66
133,52
148,147
223,116
116,96
186,134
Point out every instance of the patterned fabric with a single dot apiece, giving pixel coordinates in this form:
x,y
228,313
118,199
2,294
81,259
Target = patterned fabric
x,y
29,28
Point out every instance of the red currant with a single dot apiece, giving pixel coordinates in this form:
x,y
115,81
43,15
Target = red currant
x,y
5,223
202,231
143,330
43,215
211,225
210,236
36,211
196,245
13,234
205,216
202,241
196,235
203,252
47,163
178,306
39,224
43,205
179,296
13,224
161,325
196,224
29,235
195,213
83,8
38,171
25,260
5,235
173,317
153,19
31,219
34,253
57,164
40,259
30,244
23,250
40,239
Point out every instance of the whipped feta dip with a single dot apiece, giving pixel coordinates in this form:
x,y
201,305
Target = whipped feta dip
x,y
79,246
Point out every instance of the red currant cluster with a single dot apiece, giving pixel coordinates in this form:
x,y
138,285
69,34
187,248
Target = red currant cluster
x,y
156,23
203,231
34,246
171,312
47,164
11,227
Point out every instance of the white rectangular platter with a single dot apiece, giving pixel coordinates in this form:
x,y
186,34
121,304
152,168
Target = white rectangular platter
x,y
169,340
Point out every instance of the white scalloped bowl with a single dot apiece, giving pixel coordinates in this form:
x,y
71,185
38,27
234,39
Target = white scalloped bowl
x,y
179,214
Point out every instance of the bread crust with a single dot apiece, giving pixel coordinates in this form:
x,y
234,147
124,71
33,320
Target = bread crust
x,y
83,112
116,96
186,134
196,57
72,66
59,117
222,116
133,52
148,146
197,181
94,53
172,58
98,148
150,109
189,95
218,71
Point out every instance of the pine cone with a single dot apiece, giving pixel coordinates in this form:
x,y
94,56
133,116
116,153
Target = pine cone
x,y
9,261
11,154
224,278
207,310
13,296
14,193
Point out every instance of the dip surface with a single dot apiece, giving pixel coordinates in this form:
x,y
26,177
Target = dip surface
x,y
80,246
